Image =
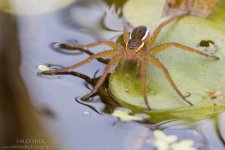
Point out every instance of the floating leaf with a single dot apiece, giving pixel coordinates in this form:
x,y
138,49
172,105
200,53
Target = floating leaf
x,y
148,11
193,74
218,14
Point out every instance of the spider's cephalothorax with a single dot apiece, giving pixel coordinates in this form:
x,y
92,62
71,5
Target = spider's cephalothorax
x,y
139,48
137,38
140,32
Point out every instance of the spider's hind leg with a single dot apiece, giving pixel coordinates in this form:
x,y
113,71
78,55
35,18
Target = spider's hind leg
x,y
92,57
112,62
144,83
158,64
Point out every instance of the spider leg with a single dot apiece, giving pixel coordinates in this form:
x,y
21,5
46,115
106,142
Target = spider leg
x,y
112,62
98,55
138,68
86,46
155,34
125,32
156,62
143,82
86,51
102,60
183,47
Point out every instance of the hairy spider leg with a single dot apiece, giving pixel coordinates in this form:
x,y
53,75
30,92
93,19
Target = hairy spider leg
x,y
102,60
182,47
156,32
158,64
138,69
86,46
89,59
112,62
86,51
143,83
125,32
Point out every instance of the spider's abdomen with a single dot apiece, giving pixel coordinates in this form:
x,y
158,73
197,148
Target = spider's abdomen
x,y
140,32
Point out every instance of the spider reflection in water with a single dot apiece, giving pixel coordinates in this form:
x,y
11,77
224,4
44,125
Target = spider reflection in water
x,y
138,48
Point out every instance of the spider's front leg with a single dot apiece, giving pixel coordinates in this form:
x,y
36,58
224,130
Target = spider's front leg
x,y
158,64
181,46
86,46
111,63
155,34
125,32
92,57
144,81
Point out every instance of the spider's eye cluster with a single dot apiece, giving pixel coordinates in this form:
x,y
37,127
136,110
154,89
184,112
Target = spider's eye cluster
x,y
140,32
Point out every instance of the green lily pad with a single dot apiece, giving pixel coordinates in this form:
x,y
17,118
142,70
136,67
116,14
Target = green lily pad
x,y
218,14
143,12
193,74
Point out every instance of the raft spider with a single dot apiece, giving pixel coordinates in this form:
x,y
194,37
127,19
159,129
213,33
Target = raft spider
x,y
138,48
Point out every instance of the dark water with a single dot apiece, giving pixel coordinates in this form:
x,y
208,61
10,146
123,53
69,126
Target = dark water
x,y
80,125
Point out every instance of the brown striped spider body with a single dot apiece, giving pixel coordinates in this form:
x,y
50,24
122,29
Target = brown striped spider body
x,y
138,48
